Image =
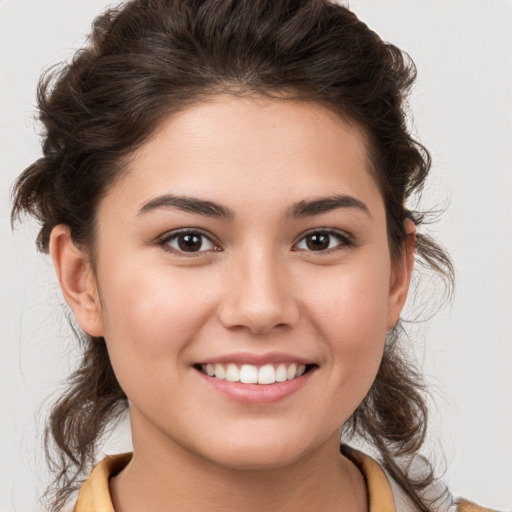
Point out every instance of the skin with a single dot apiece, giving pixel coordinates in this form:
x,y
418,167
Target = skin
x,y
256,287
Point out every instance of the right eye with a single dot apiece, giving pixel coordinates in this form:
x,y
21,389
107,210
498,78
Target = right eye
x,y
323,241
188,241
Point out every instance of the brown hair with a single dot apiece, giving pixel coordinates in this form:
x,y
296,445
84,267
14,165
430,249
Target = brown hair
x,y
149,58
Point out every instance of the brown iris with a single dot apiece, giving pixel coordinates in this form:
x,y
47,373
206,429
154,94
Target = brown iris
x,y
190,242
317,241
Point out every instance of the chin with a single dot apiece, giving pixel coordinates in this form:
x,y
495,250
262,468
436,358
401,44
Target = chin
x,y
257,454
255,460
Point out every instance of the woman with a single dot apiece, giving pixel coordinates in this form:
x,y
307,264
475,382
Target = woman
x,y
222,192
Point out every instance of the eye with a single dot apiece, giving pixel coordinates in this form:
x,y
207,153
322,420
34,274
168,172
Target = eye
x,y
188,242
323,241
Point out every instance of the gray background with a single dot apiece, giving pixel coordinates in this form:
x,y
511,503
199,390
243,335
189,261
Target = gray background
x,y
463,113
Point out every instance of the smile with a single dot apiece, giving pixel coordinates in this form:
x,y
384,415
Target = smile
x,y
252,374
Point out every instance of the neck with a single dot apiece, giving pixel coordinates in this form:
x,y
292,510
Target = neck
x,y
175,479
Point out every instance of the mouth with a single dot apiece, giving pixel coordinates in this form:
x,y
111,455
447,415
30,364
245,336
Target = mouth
x,y
255,374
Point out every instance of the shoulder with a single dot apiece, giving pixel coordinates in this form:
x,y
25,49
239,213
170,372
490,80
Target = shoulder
x,y
384,493
436,494
469,506
94,494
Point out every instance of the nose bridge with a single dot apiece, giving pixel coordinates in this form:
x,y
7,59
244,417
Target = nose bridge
x,y
258,296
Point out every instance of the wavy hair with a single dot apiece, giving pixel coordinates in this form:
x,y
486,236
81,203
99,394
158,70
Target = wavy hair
x,y
149,58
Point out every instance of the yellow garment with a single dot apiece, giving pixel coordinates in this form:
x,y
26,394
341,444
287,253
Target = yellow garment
x,y
94,495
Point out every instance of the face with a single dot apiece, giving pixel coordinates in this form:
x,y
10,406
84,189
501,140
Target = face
x,y
244,281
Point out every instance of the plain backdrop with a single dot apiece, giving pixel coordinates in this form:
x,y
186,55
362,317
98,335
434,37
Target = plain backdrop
x,y
463,113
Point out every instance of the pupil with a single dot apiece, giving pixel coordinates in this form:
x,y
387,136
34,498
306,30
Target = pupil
x,y
190,243
317,242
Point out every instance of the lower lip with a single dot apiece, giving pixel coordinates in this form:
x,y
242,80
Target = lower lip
x,y
257,393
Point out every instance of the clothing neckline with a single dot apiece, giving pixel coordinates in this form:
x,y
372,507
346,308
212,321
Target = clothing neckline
x,y
94,495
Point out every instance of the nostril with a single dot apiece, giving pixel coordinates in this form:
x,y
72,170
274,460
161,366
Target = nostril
x,y
258,304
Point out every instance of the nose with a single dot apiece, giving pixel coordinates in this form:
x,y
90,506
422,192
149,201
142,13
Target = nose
x,y
259,296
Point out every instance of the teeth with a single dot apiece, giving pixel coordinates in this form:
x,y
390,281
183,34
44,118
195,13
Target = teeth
x,y
250,374
232,373
281,374
220,373
292,371
266,374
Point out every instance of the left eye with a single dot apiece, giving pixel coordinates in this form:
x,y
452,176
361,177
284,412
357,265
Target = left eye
x,y
322,241
189,241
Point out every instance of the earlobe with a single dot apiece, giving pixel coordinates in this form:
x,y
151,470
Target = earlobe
x,y
401,275
77,280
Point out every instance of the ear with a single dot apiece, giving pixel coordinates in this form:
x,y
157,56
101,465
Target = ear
x,y
401,275
77,280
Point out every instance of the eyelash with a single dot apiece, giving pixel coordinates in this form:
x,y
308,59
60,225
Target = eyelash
x,y
166,239
344,241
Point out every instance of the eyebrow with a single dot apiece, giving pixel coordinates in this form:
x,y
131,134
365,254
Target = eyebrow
x,y
210,209
188,204
326,204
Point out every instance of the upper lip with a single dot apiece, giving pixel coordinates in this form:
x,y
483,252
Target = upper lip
x,y
256,359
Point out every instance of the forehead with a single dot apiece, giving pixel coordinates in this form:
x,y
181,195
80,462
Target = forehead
x,y
261,149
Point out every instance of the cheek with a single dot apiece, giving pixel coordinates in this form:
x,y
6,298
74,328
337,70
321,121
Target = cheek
x,y
150,313
353,299
351,316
